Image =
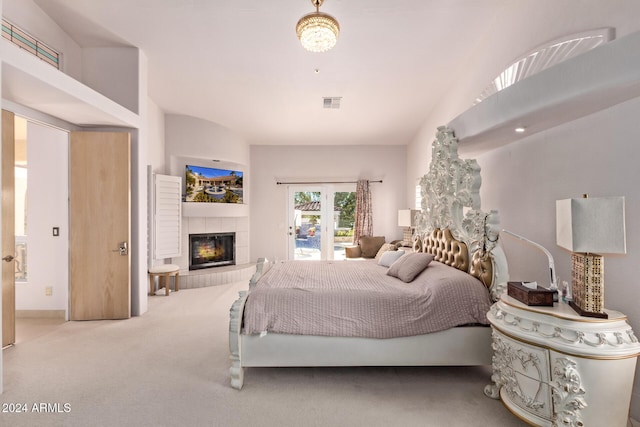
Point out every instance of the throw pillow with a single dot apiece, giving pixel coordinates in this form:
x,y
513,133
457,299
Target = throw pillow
x,y
389,257
384,248
352,252
407,267
369,245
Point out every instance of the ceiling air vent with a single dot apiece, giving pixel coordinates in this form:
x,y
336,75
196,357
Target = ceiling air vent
x,y
331,102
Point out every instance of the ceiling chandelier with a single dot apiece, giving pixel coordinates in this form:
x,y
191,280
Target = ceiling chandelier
x,y
317,31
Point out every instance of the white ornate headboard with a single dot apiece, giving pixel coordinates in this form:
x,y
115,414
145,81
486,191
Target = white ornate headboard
x,y
451,201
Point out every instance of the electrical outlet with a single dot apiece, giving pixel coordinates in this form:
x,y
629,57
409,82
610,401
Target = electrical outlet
x,y
48,291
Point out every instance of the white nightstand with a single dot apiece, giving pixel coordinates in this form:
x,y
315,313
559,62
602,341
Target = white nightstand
x,y
554,367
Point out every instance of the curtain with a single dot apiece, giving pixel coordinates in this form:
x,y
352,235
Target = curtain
x,y
363,225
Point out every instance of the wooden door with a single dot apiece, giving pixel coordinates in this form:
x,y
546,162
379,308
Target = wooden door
x,y
8,230
99,225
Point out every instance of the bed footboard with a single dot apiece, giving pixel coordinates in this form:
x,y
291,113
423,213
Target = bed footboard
x,y
235,328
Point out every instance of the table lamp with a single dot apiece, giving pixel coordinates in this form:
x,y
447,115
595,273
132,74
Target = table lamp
x,y
407,218
589,227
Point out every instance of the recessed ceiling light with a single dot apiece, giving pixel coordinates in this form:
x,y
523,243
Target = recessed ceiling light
x,y
317,70
520,129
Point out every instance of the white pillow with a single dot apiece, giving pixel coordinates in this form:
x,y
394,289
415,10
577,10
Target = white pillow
x,y
389,257
384,248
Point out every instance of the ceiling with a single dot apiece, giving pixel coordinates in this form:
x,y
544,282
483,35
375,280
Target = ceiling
x,y
238,63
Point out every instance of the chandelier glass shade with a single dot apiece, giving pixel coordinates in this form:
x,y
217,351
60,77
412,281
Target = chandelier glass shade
x,y
317,31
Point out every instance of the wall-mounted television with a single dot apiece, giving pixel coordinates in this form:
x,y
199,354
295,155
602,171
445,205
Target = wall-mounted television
x,y
212,185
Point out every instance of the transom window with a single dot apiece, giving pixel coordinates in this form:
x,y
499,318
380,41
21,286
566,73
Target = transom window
x,y
29,43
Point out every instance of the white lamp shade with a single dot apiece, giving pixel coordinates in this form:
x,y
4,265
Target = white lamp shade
x,y
594,225
406,217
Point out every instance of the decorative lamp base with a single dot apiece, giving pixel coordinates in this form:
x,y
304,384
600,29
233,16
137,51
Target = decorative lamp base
x,y
587,284
582,312
407,236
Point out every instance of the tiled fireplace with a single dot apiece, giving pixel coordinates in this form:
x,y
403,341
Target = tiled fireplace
x,y
214,268
208,250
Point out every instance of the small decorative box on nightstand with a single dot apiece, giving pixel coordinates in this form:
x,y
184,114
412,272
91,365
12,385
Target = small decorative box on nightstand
x,y
538,296
553,367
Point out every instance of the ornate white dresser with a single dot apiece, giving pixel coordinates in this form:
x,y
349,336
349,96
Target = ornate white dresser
x,y
552,367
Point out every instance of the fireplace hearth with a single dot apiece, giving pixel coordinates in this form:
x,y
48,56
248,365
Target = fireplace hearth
x,y
208,250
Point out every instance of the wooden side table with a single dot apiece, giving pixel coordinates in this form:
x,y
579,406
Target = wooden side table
x,y
553,367
164,272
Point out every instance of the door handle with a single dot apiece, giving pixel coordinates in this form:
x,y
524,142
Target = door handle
x,y
123,248
8,258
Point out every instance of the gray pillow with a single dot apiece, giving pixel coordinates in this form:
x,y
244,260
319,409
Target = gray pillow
x,y
407,267
389,257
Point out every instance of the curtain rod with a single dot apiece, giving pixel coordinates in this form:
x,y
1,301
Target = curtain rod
x,y
323,182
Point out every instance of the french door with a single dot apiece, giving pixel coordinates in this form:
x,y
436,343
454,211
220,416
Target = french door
x,y
320,219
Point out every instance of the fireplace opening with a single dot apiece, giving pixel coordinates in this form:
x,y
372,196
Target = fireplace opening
x,y
211,250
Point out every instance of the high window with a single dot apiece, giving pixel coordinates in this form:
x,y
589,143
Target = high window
x,y
29,43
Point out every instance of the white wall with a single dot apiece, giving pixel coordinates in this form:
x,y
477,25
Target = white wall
x,y
156,148
47,207
28,16
596,155
194,138
156,160
102,66
522,180
193,141
515,33
269,164
139,162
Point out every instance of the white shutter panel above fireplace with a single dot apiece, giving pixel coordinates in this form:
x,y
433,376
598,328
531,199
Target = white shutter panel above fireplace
x,y
167,214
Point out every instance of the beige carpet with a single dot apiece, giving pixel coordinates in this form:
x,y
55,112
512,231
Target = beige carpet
x,y
170,368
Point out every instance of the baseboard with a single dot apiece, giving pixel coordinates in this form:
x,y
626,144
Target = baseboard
x,y
40,314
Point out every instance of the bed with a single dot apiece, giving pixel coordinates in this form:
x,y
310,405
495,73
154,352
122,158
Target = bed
x,y
340,313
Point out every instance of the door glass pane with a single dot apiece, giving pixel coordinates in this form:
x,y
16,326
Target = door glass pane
x,y
308,221
344,211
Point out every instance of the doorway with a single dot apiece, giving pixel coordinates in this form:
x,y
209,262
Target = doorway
x,y
40,273
40,265
320,219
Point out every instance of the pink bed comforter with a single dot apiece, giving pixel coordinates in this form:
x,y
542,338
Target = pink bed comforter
x,y
357,299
